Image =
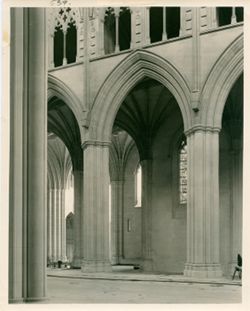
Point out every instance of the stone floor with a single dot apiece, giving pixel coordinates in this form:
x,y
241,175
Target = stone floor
x,y
135,287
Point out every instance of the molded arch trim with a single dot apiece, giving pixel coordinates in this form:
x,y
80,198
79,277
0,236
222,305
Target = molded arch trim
x,y
123,78
220,81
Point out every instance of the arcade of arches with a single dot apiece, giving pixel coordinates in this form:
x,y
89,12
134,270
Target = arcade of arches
x,y
131,131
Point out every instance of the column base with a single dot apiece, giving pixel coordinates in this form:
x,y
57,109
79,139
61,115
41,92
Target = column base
x,y
147,265
76,263
35,299
203,270
114,260
96,266
16,300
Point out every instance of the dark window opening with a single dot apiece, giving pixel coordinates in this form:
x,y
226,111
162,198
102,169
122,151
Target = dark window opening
x,y
173,22
239,14
109,31
58,47
156,24
124,29
71,43
224,16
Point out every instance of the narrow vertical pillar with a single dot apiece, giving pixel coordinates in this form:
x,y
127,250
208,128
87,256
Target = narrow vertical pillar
x,y
117,48
116,221
101,35
147,25
213,16
236,216
58,224
64,47
49,227
233,19
164,33
51,51
203,204
96,207
53,224
36,155
17,156
63,227
146,166
78,189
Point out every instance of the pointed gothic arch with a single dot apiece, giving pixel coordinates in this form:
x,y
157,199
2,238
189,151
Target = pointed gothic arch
x,y
123,78
59,89
220,80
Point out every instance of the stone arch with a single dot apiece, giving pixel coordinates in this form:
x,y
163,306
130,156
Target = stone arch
x,y
59,89
220,80
123,78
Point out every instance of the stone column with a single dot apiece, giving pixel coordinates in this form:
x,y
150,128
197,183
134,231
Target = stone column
x,y
164,32
146,166
96,207
116,221
117,14
233,19
53,224
49,226
236,195
203,204
64,48
58,224
63,227
78,203
36,155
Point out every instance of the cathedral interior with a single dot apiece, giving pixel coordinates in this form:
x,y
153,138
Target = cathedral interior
x,y
126,141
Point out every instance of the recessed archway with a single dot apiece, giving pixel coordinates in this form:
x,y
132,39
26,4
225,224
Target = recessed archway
x,y
136,67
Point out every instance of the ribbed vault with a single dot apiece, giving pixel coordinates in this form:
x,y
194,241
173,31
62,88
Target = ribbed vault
x,y
62,122
143,111
59,163
121,146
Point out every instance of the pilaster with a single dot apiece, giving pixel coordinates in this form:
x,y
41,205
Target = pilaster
x,y
78,239
96,207
146,166
116,220
203,204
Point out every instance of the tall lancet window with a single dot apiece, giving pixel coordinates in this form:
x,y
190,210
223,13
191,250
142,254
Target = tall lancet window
x,y
65,36
124,28
183,167
138,186
117,29
109,31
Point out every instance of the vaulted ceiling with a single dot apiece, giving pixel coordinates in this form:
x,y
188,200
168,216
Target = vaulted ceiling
x,y
143,112
62,122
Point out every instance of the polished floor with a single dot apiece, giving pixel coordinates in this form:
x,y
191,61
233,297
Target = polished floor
x,y
133,287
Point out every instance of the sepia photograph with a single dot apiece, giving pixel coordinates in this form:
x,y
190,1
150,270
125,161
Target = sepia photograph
x,y
124,131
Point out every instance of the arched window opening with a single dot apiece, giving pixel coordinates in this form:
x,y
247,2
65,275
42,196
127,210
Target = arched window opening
x,y
172,22
156,24
239,14
224,15
65,36
124,28
58,46
183,173
109,31
138,186
71,43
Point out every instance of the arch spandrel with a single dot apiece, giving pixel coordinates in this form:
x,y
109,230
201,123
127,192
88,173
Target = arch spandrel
x,y
220,81
123,78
